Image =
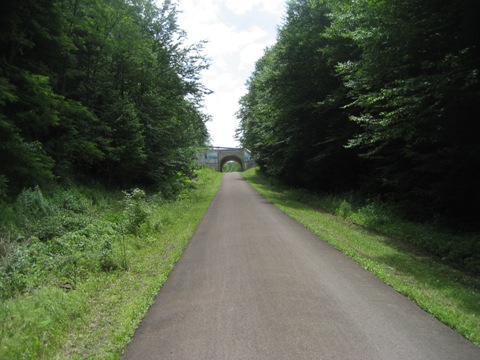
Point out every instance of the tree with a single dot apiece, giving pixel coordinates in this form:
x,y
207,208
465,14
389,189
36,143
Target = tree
x,y
291,118
104,89
415,84
30,36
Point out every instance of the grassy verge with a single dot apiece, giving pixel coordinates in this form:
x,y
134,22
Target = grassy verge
x,y
90,309
449,294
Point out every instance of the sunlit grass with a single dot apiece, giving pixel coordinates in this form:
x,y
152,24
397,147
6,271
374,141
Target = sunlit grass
x,y
448,294
97,318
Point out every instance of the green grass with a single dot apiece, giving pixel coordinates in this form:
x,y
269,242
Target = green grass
x,y
113,283
447,293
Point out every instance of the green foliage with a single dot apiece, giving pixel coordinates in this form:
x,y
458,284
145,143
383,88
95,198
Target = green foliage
x,y
78,141
49,239
125,154
33,325
44,217
416,59
57,294
134,210
66,260
379,96
291,118
62,238
102,90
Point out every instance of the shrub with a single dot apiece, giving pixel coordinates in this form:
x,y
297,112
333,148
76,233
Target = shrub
x,y
31,202
134,210
7,247
71,200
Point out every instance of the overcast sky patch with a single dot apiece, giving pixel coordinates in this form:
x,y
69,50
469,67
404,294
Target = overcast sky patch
x,y
237,33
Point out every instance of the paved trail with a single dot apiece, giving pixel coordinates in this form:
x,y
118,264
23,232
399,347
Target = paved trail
x,y
255,284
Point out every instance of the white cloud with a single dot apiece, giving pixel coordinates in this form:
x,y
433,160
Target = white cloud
x,y
205,11
241,7
237,32
251,53
224,39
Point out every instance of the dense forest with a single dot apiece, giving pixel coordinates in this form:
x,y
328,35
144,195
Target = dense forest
x,y
103,91
379,97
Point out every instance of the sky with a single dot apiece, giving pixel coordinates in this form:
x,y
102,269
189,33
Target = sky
x,y
237,32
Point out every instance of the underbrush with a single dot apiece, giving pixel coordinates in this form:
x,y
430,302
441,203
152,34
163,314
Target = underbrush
x,y
58,240
72,261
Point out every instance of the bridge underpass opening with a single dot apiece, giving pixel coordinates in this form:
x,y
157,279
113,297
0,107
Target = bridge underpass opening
x,y
229,159
231,166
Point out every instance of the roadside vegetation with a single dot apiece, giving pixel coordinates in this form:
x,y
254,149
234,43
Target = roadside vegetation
x,y
400,253
80,266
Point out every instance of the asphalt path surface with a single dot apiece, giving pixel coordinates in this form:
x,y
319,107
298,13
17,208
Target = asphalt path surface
x,y
255,284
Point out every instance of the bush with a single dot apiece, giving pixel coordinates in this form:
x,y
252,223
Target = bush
x,y
56,240
7,247
32,203
134,210
46,218
71,200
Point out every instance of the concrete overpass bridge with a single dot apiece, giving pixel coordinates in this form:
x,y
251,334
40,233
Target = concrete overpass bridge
x,y
215,157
